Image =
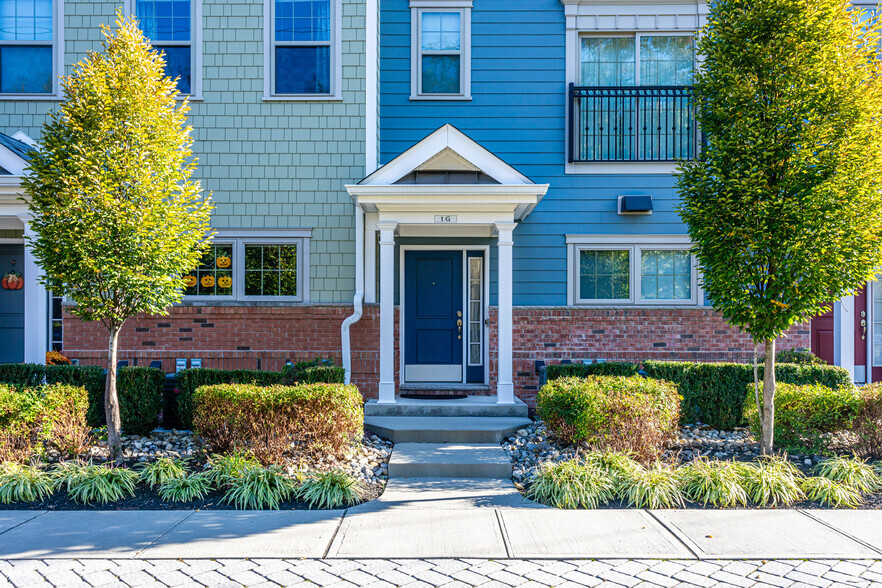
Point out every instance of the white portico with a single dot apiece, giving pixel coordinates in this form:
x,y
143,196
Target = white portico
x,y
444,196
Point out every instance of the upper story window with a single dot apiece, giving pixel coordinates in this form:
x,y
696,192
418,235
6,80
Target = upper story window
x,y
29,48
171,26
251,268
304,53
441,50
632,101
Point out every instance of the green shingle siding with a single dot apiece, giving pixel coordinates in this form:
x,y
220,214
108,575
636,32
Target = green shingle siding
x,y
267,164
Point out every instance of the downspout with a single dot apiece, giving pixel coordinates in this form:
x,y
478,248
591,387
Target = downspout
x,y
359,293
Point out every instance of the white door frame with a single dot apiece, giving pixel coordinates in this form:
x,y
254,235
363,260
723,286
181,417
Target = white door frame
x,y
401,301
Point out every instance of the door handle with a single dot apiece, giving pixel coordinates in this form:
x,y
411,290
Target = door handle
x,y
864,329
459,328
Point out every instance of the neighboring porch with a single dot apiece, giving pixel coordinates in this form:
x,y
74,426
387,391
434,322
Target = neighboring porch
x,y
443,215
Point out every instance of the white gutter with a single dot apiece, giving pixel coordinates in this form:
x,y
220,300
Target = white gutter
x,y
371,23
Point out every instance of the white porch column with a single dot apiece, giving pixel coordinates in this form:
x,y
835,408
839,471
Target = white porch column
x,y
843,333
36,305
387,312
504,382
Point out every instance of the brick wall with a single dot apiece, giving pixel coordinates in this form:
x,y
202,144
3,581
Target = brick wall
x,y
242,336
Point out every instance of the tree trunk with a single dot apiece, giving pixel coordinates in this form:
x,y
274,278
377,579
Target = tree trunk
x,y
111,400
768,413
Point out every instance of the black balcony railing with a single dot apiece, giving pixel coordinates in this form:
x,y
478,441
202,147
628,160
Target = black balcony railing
x,y
643,123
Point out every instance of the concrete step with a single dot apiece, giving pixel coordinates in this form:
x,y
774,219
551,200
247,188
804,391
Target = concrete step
x,y
410,429
473,406
438,460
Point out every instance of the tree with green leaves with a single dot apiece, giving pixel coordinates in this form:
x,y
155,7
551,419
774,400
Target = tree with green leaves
x,y
784,204
116,216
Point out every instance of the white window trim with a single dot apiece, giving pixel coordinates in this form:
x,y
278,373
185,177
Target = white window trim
x,y
269,57
195,44
464,8
57,57
238,240
635,245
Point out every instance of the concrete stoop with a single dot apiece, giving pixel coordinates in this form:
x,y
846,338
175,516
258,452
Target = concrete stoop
x,y
447,460
441,429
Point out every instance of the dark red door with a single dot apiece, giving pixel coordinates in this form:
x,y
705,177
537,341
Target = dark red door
x,y
861,330
822,337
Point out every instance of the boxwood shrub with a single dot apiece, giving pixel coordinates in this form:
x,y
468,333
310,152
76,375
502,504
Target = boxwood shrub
x,y
54,413
140,398
22,375
268,420
313,371
713,393
582,370
804,413
190,380
90,377
631,414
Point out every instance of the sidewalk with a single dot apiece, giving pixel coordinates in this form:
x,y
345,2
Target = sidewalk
x,y
419,521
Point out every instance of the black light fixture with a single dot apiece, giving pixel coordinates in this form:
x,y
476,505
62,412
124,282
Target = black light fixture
x,y
635,204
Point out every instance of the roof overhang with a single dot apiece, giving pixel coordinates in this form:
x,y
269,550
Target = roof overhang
x,y
511,199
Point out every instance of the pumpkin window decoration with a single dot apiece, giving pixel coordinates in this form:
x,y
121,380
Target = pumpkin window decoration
x,y
207,281
225,282
190,281
224,261
12,280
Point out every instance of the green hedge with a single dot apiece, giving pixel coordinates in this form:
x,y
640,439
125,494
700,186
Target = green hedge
x,y
55,414
313,371
22,375
140,398
268,420
582,370
713,393
190,380
804,413
633,414
90,377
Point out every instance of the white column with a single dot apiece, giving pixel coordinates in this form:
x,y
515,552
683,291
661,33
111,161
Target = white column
x,y
843,333
36,306
387,312
504,382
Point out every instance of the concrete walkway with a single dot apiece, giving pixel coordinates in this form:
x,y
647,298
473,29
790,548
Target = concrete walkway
x,y
423,519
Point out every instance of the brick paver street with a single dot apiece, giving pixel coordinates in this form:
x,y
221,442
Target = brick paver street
x,y
440,572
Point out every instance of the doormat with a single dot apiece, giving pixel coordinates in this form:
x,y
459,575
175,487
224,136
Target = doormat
x,y
435,396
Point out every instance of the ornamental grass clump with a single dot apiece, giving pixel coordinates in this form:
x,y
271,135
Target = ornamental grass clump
x,y
24,483
87,482
226,469
719,483
185,489
830,492
160,471
259,488
571,484
268,421
616,464
333,489
772,481
630,414
656,486
850,471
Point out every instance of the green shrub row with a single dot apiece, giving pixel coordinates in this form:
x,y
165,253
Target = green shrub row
x,y
582,370
633,414
307,372
54,414
268,421
139,390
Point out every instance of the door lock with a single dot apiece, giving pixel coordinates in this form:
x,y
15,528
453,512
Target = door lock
x,y
458,313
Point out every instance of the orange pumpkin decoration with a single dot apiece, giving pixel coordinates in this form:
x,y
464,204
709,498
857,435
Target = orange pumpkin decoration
x,y
12,281
225,282
190,281
224,261
207,281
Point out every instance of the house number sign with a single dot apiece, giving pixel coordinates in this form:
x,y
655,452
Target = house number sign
x,y
445,218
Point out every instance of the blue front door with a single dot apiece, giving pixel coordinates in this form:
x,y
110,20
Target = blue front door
x,y
433,316
11,307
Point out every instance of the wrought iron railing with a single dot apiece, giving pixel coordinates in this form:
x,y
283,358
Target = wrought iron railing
x,y
643,123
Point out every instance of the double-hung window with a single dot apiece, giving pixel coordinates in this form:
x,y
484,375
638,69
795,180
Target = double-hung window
x,y
304,51
632,101
614,271
441,49
251,268
29,47
171,26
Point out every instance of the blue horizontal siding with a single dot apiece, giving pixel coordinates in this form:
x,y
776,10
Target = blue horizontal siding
x,y
518,112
